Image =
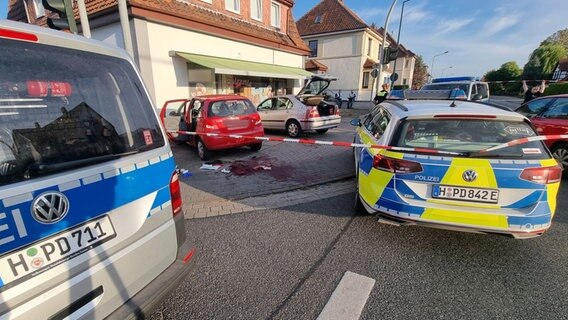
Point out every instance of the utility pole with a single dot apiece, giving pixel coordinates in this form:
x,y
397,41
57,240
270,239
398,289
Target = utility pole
x,y
385,28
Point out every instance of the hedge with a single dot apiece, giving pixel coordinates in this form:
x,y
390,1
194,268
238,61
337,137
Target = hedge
x,y
556,88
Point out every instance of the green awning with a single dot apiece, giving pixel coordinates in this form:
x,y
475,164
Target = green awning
x,y
245,68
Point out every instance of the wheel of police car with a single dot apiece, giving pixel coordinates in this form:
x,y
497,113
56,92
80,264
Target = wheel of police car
x,y
293,128
560,153
202,150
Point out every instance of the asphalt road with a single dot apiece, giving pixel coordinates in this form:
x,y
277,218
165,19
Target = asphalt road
x,y
285,264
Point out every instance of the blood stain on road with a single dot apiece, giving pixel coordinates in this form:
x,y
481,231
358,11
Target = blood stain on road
x,y
263,164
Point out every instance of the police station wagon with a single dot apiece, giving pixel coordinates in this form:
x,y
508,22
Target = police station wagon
x,y
90,204
448,164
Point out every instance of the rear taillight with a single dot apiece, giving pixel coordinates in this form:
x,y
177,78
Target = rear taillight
x,y
175,193
337,110
211,124
396,165
312,112
545,175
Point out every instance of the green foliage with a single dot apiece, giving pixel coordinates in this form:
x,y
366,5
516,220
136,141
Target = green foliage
x,y
508,71
420,76
556,88
559,37
543,60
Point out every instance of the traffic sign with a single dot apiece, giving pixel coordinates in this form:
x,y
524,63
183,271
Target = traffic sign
x,y
374,73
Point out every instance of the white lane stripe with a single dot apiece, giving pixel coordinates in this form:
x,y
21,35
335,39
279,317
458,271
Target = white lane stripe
x,y
349,298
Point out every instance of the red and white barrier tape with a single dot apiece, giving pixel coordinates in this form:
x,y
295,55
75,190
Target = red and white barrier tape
x,y
374,146
524,140
320,142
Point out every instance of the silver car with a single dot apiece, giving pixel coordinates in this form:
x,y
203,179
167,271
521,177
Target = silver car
x,y
306,111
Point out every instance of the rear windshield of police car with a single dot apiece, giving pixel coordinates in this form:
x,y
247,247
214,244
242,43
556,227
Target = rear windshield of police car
x,y
62,109
469,136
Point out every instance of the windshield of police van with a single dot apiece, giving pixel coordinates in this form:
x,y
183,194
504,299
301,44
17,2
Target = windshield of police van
x,y
62,108
446,86
469,136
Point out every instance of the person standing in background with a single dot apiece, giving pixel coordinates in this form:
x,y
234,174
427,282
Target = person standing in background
x,y
351,99
382,95
534,92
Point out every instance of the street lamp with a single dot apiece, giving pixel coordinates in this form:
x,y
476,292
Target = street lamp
x,y
444,70
398,38
432,67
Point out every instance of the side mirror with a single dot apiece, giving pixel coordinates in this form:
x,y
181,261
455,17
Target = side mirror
x,y
356,122
173,113
477,97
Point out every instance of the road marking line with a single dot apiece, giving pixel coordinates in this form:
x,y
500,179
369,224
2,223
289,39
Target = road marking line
x,y
349,298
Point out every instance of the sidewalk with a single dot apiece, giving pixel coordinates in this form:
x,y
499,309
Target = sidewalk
x,y
277,168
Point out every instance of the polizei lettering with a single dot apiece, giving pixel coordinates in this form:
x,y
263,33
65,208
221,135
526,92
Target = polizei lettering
x,y
426,178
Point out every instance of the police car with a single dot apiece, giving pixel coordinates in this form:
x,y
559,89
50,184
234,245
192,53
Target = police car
x,y
474,89
431,165
90,205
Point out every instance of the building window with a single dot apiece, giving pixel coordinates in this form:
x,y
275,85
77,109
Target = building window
x,y
256,9
404,81
407,63
380,52
365,80
369,46
319,19
313,48
275,15
39,10
233,5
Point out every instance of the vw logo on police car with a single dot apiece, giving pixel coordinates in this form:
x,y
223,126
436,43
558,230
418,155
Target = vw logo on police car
x,y
50,207
469,176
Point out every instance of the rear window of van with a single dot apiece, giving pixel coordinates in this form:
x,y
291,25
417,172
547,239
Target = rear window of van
x,y
62,109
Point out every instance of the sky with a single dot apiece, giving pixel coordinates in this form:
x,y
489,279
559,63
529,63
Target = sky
x,y
480,35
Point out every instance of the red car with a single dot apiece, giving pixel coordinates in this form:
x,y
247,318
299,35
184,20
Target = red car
x,y
223,114
549,115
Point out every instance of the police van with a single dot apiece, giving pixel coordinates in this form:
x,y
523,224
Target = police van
x,y
91,221
474,89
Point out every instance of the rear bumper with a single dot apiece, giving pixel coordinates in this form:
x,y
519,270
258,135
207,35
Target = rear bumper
x,y
142,304
220,143
394,217
320,123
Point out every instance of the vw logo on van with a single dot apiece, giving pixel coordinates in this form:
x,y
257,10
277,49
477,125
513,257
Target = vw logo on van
x,y
469,176
50,207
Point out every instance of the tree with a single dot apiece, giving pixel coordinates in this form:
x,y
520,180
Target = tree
x,y
559,37
420,75
508,71
543,60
